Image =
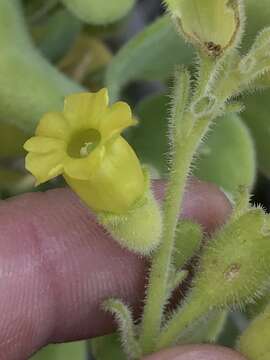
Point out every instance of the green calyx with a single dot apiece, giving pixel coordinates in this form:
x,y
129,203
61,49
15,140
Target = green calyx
x,y
138,230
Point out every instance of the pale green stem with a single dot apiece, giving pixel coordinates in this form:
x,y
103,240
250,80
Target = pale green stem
x,y
159,276
160,271
184,146
206,69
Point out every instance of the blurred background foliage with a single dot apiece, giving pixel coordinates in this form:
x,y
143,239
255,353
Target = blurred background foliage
x,y
132,48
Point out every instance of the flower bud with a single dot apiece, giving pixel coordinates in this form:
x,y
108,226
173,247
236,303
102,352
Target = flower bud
x,y
211,25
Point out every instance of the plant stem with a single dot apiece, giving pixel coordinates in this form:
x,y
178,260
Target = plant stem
x,y
126,327
205,71
185,145
194,309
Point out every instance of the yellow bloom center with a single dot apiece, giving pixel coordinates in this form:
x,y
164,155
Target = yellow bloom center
x,y
83,142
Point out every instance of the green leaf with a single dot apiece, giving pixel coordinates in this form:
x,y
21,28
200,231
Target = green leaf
x,y
56,34
152,114
150,55
99,11
107,348
11,141
258,17
71,351
9,178
227,157
30,86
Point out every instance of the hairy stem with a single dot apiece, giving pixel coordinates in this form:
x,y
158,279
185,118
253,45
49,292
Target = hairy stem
x,y
187,135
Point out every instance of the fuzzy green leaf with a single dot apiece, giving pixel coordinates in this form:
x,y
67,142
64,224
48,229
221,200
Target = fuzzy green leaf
x,y
142,58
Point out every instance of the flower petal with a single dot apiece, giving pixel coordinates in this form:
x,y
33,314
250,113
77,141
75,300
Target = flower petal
x,y
43,145
44,166
83,168
53,125
117,118
86,109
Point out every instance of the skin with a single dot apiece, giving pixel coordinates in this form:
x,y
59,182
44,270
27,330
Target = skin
x,y
57,265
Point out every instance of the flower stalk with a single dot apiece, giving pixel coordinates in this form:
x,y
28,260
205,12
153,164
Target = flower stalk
x,y
187,136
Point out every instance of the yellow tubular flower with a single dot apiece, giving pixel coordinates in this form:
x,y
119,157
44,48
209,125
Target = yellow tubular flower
x,y
83,143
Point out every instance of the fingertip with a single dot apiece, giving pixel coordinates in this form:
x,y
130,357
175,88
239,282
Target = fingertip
x,y
204,203
197,352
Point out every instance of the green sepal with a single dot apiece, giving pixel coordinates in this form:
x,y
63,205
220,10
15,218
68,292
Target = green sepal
x,y
138,230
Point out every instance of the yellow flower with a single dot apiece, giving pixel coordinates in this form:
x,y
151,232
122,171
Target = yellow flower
x,y
83,143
